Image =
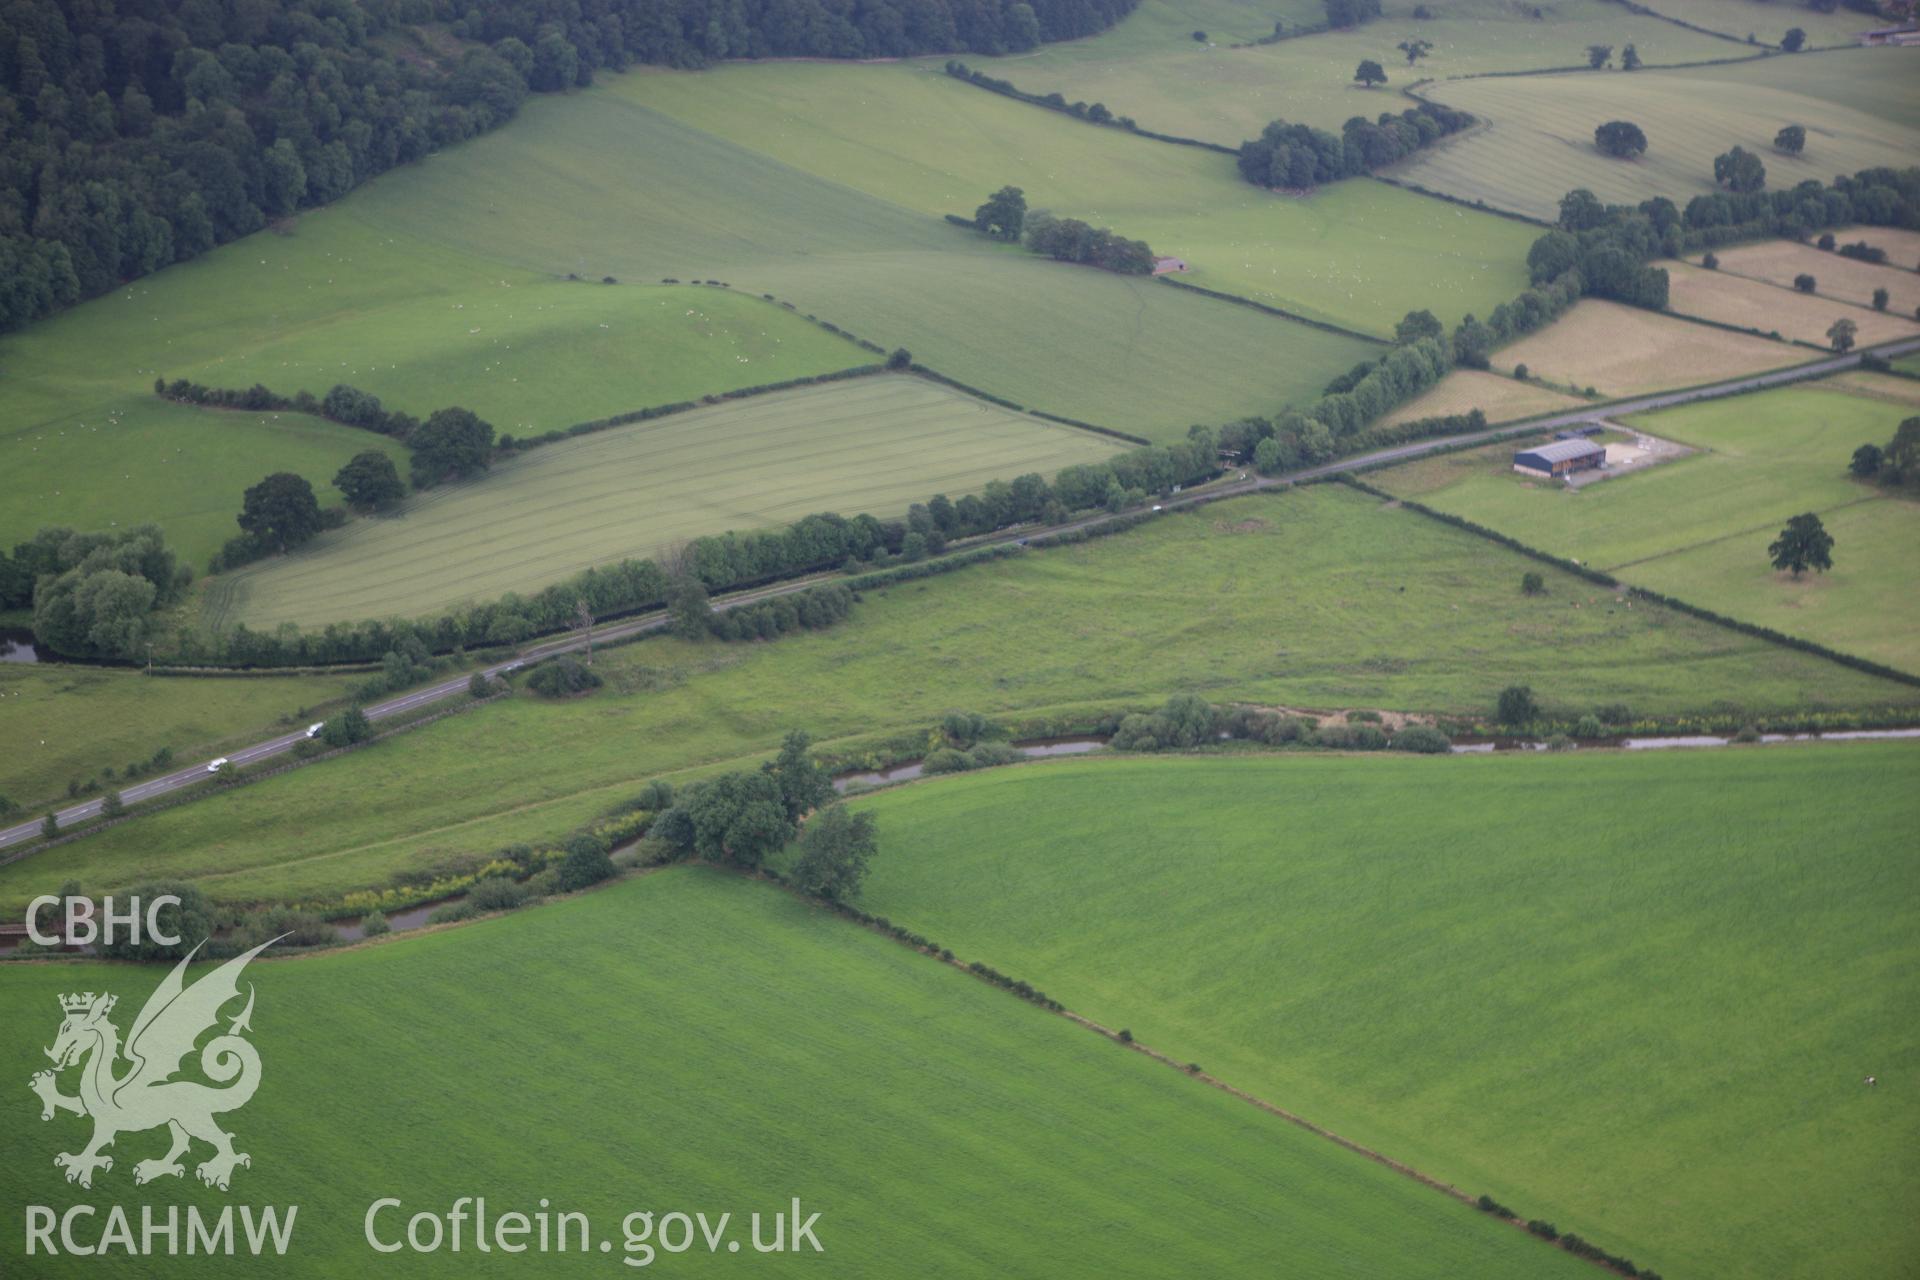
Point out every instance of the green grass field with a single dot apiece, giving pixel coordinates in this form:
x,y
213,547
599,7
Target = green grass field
x,y
1357,253
88,443
1123,352
1150,67
1698,528
1317,598
1633,994
132,458
1539,143
691,1041
68,722
872,445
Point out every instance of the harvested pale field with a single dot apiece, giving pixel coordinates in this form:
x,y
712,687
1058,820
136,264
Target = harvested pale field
x,y
1879,386
1620,350
873,446
1737,300
1840,278
1501,399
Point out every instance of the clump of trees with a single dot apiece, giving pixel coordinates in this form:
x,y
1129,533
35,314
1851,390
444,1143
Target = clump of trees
x,y
1003,216
811,610
1297,156
1740,171
451,444
370,481
1791,140
94,594
1071,240
1621,139
742,819
1895,463
1351,13
564,677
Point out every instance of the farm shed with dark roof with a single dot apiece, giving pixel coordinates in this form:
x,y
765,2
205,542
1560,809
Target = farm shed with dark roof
x,y
1560,457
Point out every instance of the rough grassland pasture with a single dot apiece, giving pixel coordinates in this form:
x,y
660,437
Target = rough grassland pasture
x,y
133,459
1539,143
1356,253
1643,1015
1125,353
1698,528
1620,351
872,445
1844,279
1321,597
1737,300
66,722
1150,67
1501,399
707,1043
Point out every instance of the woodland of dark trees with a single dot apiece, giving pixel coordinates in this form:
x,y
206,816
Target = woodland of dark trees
x,y
137,133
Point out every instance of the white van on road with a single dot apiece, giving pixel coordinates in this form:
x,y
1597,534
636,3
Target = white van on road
x,y
313,730
217,765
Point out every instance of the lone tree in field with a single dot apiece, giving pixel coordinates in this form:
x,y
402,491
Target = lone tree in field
x,y
835,849
1740,171
1805,283
1804,544
1794,40
1621,139
369,481
1629,59
280,511
1370,73
1599,55
1791,140
1841,334
1865,465
1900,460
1880,299
451,444
1004,215
1416,325
1532,584
1415,49
1516,705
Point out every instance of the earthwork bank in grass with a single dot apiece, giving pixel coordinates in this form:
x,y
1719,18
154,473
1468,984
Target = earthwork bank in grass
x,y
869,445
1642,1014
707,1043
1321,597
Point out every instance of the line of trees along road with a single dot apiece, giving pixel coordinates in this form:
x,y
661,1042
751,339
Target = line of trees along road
x,y
141,133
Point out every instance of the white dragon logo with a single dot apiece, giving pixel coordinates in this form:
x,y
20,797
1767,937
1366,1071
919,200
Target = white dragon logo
x,y
146,1096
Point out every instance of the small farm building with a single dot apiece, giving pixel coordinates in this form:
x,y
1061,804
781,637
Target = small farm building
x,y
1559,458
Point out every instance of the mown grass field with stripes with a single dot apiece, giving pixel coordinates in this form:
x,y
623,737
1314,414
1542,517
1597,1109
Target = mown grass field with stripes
x,y
869,445
760,1050
1634,994
1698,528
1319,597
1538,142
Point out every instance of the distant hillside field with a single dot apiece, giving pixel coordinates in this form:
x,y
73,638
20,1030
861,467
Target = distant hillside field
x,y
1539,141
1150,67
709,1044
871,445
1634,994
1750,303
1321,597
1354,253
1698,528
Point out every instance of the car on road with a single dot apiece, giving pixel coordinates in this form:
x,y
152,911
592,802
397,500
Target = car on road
x,y
313,730
217,765
1158,507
